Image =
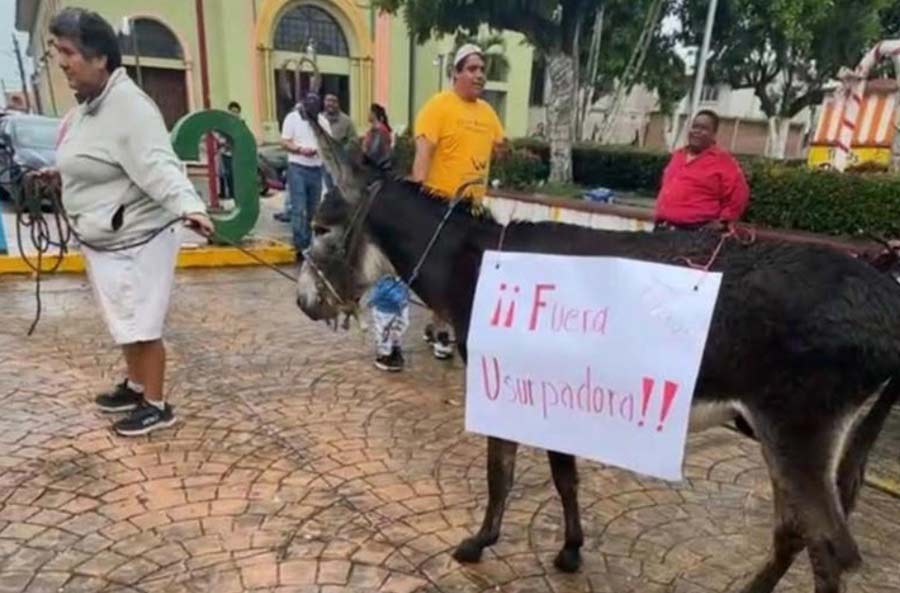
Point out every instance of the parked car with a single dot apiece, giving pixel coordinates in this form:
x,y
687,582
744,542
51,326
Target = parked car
x,y
271,167
27,142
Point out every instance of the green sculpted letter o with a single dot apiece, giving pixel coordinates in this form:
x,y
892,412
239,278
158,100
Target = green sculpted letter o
x,y
186,137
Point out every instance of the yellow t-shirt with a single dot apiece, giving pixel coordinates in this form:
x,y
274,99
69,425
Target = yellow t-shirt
x,y
464,133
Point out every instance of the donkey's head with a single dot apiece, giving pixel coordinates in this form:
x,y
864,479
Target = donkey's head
x,y
342,262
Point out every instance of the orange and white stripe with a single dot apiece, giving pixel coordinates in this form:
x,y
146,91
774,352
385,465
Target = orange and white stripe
x,y
851,98
872,126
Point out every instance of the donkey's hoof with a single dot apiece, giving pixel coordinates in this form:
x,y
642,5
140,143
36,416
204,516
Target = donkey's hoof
x,y
468,551
568,560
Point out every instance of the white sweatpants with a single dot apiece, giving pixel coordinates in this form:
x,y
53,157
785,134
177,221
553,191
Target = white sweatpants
x,y
388,329
133,287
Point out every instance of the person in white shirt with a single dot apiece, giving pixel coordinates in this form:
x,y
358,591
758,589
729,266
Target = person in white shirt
x,y
304,173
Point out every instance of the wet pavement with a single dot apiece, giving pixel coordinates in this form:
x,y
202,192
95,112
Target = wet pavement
x,y
298,467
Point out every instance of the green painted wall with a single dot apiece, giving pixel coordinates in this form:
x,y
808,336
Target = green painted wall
x,y
231,46
178,15
230,34
518,87
398,92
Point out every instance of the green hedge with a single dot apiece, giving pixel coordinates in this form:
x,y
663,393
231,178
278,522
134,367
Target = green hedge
x,y
824,202
783,194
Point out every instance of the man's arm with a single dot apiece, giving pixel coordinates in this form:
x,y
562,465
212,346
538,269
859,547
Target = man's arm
x,y
736,195
424,154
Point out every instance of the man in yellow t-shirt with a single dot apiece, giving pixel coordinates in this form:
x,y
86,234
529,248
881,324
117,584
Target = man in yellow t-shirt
x,y
456,132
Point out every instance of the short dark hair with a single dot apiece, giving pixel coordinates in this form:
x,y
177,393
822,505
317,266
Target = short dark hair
x,y
711,115
91,34
234,105
381,115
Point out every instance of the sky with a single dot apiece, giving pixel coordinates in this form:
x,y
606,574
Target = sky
x,y
9,71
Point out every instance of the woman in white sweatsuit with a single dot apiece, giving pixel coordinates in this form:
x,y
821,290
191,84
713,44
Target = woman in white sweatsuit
x,y
121,183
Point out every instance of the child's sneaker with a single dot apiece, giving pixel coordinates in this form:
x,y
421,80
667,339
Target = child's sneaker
x,y
391,363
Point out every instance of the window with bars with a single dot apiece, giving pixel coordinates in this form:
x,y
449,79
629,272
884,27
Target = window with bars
x,y
536,94
154,40
304,25
709,93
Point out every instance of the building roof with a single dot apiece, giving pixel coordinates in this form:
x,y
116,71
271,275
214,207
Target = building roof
x,y
26,12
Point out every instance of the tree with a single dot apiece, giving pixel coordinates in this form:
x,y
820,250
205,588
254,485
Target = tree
x,y
550,26
637,51
785,50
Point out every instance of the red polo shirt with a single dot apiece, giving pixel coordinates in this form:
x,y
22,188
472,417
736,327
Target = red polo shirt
x,y
710,187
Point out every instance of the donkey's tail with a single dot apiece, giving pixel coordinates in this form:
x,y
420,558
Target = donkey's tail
x,y
852,469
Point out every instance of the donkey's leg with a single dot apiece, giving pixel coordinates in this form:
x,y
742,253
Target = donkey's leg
x,y
787,542
802,461
565,477
851,471
501,467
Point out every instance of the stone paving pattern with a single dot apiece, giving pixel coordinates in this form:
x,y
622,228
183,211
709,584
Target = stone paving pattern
x,y
298,468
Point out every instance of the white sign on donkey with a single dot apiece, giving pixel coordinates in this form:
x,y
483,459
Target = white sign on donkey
x,y
593,356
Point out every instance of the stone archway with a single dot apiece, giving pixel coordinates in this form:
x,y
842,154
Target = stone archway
x,y
163,74
344,55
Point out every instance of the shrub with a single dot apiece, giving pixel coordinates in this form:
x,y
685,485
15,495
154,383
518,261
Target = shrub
x,y
783,194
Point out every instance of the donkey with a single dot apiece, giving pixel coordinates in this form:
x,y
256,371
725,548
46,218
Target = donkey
x,y
804,346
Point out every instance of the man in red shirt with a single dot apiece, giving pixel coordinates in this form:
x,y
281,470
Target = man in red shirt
x,y
703,185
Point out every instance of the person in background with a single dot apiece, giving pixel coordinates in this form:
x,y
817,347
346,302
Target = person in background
x,y
123,187
703,186
341,129
378,142
341,126
225,162
304,172
456,133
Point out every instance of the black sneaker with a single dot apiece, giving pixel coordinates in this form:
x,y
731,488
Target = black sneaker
x,y
122,399
144,419
392,363
442,346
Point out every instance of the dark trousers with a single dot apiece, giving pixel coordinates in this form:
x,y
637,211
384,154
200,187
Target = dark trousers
x,y
663,225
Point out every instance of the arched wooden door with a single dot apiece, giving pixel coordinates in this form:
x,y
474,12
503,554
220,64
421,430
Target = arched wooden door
x,y
162,71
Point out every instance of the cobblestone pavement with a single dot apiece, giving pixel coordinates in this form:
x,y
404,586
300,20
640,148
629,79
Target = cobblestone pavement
x,y
297,467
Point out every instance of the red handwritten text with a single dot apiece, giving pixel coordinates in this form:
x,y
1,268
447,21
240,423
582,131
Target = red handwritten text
x,y
548,314
549,396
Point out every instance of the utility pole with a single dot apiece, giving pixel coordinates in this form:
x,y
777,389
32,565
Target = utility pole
x,y
22,73
45,60
704,55
699,75
130,30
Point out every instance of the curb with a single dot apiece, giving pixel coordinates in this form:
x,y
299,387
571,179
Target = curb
x,y
883,484
271,252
